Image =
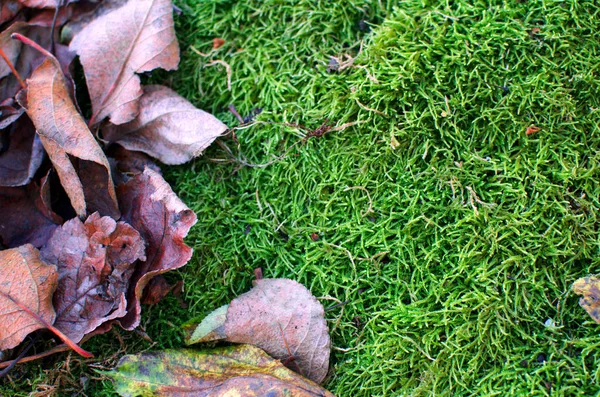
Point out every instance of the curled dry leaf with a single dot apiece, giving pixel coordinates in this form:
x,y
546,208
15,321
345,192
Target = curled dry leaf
x,y
243,371
281,317
168,127
95,261
135,38
23,153
63,133
589,287
31,282
26,215
163,220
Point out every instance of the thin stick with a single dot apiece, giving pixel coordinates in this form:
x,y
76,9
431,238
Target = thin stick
x,y
227,67
12,69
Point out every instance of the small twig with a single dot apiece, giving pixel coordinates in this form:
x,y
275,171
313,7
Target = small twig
x,y
14,362
233,110
12,69
227,68
370,109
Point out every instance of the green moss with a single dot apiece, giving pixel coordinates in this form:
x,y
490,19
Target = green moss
x,y
453,248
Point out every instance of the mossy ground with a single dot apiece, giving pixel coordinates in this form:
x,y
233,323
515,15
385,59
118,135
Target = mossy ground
x,y
453,235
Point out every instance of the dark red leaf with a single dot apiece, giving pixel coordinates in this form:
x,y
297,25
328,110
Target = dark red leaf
x,y
26,215
23,153
150,206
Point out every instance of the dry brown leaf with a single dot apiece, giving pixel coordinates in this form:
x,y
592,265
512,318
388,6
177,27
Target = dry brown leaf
x,y
168,127
26,215
281,317
28,280
95,261
135,38
64,133
589,287
163,220
240,371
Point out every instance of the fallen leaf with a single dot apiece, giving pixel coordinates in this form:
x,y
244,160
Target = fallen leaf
x,y
95,261
28,280
126,163
281,317
24,152
135,38
24,59
8,10
63,133
243,371
156,290
45,3
589,287
168,127
26,215
163,220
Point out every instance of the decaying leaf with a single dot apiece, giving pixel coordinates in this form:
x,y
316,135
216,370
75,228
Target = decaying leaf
x,y
68,142
26,215
95,261
135,38
168,127
23,153
163,220
589,287
8,9
281,317
26,279
241,371
156,290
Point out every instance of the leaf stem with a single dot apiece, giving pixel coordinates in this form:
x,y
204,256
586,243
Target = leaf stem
x,y
52,328
33,44
12,68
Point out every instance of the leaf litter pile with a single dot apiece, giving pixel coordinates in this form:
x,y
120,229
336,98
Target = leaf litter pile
x,y
88,222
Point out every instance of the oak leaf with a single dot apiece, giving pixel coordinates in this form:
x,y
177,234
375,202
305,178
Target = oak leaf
x,y
31,282
68,141
135,38
149,205
243,371
281,317
168,127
